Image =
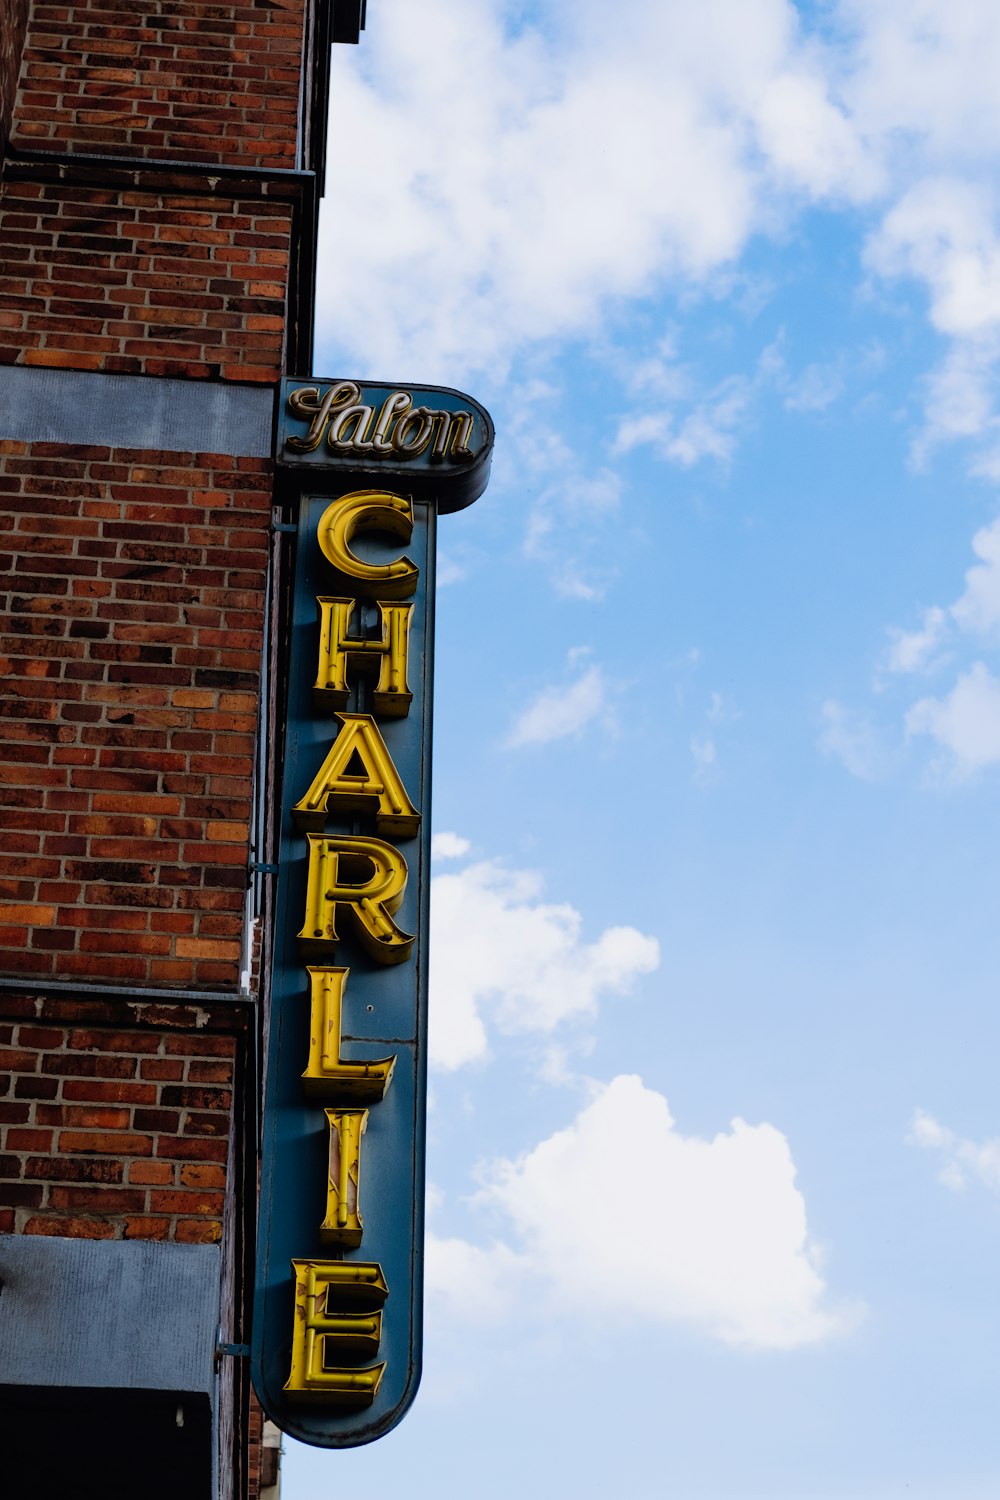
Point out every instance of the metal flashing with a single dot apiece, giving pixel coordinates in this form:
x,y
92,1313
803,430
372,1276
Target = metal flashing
x,y
85,408
131,992
115,1314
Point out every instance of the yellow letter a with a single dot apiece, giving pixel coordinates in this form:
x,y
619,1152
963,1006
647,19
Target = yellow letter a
x,y
379,782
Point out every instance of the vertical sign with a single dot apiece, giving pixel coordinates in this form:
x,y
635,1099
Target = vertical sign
x,y
337,1311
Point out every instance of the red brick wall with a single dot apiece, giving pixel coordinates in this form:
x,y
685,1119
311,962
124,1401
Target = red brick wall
x,y
132,618
112,1125
138,282
131,594
180,79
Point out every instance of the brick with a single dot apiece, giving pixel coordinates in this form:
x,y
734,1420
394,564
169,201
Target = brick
x,y
105,1143
108,1091
151,1173
77,1065
36,1088
196,1149
145,1227
176,1201
40,1036
202,1176
93,1198
197,1124
72,1228
27,916
188,1097
210,1072
112,1041
206,1046
169,971
198,1231
227,832
26,1139
22,1194
94,1117
166,1121
63,1169
162,1068
18,1059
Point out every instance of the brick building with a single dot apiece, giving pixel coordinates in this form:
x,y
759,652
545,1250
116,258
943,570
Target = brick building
x,y
161,169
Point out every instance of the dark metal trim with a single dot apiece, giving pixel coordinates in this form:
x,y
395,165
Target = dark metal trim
x,y
210,174
246,1131
87,991
348,20
302,276
315,94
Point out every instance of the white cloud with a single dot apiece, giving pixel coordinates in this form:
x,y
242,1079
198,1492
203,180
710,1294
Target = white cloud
x,y
568,524
558,712
942,232
978,609
708,425
922,90
966,722
960,1159
573,579
653,427
923,76
527,178
707,431
523,178
710,431
816,388
448,570
449,846
810,142
499,951
534,445
913,650
657,374
468,1284
959,398
848,737
715,1230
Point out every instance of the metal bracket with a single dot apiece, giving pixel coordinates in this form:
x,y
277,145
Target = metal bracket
x,y
284,526
258,867
236,1351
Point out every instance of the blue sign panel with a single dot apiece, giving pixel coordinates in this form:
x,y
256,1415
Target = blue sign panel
x,y
337,1315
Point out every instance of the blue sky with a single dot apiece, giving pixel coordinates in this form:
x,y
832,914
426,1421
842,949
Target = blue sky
x,y
714,1136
